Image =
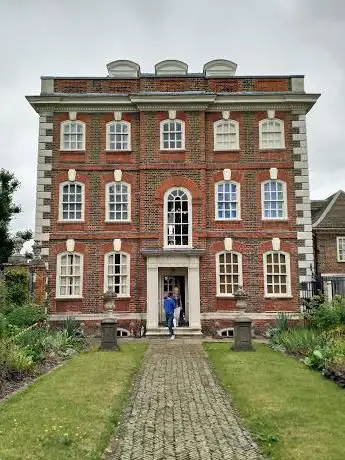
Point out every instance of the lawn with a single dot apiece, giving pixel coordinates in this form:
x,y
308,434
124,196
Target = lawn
x,y
72,412
293,412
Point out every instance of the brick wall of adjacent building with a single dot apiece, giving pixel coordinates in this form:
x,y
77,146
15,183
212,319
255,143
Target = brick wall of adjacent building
x,y
325,245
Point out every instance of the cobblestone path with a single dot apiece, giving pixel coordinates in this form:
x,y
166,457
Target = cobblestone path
x,y
179,411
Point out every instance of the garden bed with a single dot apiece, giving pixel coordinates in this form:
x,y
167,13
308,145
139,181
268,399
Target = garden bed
x,y
10,387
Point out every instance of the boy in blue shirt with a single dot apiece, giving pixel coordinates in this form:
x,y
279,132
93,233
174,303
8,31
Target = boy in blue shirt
x,y
169,307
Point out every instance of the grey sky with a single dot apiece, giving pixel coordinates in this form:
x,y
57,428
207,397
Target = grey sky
x,y
79,37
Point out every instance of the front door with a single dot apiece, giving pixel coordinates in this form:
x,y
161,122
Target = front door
x,y
168,283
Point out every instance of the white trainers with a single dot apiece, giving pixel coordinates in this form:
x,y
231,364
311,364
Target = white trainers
x,y
172,337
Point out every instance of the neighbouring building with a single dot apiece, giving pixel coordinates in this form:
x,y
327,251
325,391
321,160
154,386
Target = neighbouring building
x,y
329,242
150,181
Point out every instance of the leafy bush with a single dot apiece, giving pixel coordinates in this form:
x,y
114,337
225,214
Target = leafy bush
x,y
61,344
298,341
17,287
26,316
31,341
14,362
315,301
327,315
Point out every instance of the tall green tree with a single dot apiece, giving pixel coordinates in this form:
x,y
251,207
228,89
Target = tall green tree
x,y
8,185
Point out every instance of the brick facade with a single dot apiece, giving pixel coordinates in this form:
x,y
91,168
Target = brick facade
x,y
328,225
199,101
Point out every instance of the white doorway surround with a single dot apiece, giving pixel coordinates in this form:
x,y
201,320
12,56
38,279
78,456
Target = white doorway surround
x,y
172,260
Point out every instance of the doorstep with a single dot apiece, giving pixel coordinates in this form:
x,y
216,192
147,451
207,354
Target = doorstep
x,y
179,332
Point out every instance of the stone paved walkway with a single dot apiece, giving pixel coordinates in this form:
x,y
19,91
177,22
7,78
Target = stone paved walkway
x,y
179,411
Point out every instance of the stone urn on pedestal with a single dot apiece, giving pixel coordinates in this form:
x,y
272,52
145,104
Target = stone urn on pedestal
x,y
243,324
109,324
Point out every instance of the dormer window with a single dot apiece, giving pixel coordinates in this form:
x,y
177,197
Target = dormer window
x,y
171,67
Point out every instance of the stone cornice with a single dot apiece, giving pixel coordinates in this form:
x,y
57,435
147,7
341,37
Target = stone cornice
x,y
157,102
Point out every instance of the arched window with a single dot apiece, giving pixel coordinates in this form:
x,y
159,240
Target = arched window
x,y
226,135
69,275
172,135
228,272
71,201
121,332
274,202
277,274
116,273
271,134
118,202
227,332
227,196
118,136
72,135
178,218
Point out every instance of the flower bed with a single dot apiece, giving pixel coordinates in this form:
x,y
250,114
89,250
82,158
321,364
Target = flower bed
x,y
320,343
28,350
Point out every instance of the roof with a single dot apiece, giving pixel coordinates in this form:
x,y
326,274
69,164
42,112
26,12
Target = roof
x,y
329,213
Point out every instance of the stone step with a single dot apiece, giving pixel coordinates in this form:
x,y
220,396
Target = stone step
x,y
179,331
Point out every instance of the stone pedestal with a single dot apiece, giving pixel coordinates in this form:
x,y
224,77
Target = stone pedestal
x,y
109,334
243,334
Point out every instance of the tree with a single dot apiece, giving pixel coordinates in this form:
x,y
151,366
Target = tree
x,y
8,186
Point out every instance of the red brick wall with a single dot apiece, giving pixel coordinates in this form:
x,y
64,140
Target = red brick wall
x,y
151,172
170,84
325,245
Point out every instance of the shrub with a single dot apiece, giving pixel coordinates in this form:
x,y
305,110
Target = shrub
x,y
61,344
26,316
31,341
17,287
14,362
298,341
327,315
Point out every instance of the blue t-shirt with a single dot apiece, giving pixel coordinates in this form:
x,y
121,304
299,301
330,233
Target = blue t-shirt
x,y
169,305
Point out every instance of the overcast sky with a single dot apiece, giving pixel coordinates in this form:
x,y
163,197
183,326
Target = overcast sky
x,y
79,37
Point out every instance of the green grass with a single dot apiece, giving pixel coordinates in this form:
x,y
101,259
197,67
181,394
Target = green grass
x,y
71,413
293,411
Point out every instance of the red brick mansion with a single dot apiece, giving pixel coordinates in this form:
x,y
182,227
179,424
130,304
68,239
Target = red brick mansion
x,y
151,181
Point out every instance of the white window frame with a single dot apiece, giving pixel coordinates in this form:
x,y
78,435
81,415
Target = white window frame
x,y
190,218
62,129
282,134
61,186
238,201
162,123
240,274
58,275
220,147
340,241
288,274
128,274
108,134
107,202
285,207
